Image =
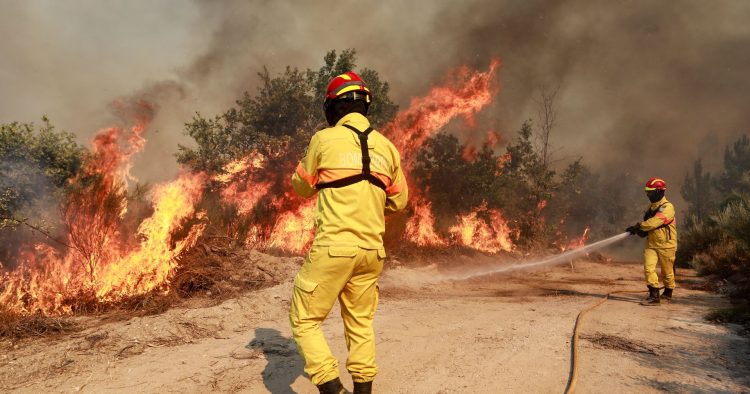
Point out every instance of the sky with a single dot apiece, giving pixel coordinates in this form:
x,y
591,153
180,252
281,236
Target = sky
x,y
644,87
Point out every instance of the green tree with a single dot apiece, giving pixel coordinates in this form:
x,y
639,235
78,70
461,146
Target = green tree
x,y
533,183
735,178
715,239
280,118
721,247
697,190
439,171
570,206
35,164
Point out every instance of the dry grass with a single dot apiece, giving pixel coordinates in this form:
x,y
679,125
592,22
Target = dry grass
x,y
213,271
15,326
737,314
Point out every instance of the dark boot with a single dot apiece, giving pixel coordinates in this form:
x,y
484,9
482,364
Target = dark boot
x,y
667,295
653,297
331,387
362,388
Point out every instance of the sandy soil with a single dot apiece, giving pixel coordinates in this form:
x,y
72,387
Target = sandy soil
x,y
507,332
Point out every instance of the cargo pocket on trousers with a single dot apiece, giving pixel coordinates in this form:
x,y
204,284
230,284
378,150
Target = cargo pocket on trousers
x,y
304,291
343,251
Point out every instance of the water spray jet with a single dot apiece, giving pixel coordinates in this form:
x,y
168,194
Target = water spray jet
x,y
552,260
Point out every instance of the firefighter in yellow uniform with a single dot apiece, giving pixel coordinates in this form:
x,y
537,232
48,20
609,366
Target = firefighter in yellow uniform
x,y
356,173
659,226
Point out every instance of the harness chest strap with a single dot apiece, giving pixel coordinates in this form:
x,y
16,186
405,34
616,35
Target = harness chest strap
x,y
365,175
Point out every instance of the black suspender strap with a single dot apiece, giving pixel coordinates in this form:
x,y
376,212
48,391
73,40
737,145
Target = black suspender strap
x,y
363,146
366,174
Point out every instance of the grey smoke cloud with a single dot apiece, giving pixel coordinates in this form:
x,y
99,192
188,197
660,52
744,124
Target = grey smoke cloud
x,y
644,86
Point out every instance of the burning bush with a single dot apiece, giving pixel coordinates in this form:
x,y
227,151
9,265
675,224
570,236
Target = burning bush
x,y
103,261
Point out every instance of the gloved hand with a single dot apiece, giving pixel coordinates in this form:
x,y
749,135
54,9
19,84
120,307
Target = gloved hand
x,y
633,229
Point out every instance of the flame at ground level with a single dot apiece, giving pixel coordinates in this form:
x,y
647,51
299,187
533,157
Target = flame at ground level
x,y
420,228
293,231
578,242
490,235
52,282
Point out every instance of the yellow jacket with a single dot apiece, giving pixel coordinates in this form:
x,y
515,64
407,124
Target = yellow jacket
x,y
661,225
353,215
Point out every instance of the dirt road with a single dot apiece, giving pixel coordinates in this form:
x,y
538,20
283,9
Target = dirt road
x,y
502,333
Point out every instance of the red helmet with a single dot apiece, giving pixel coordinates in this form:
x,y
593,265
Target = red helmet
x,y
655,184
348,85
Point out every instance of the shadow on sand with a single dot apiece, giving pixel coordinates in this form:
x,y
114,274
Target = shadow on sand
x,y
284,364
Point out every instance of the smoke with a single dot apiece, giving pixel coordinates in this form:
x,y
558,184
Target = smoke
x,y
644,86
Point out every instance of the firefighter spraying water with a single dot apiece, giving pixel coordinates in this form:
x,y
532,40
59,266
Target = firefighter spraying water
x,y
659,226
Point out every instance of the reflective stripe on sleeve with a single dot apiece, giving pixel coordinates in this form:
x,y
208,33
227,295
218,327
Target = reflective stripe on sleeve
x,y
394,188
663,218
306,176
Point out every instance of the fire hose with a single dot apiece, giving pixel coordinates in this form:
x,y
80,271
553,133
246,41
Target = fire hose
x,y
573,380
571,387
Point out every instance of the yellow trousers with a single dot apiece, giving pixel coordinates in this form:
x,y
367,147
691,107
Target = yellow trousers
x,y
349,274
665,257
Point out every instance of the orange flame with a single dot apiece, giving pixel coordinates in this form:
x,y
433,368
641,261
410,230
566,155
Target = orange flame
x,y
464,96
240,185
492,235
577,243
420,228
502,161
469,153
101,265
105,265
492,139
294,230
151,264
